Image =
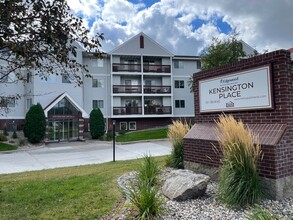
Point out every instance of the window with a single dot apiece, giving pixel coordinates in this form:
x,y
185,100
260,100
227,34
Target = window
x,y
179,103
65,79
198,64
179,84
178,64
29,103
98,103
98,83
123,126
132,125
98,62
7,102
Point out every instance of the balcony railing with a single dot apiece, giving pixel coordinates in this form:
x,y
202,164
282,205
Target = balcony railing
x,y
133,110
149,68
157,110
121,67
126,89
157,89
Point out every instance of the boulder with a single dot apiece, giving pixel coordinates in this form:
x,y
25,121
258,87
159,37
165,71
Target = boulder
x,y
185,184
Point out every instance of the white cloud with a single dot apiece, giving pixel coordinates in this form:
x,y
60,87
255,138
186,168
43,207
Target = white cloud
x,y
170,22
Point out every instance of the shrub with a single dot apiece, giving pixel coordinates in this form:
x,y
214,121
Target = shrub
x,y
5,132
109,135
122,131
144,196
21,142
3,137
262,214
35,124
14,135
239,183
176,132
97,123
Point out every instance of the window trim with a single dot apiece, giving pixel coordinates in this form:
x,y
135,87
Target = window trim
x,y
129,126
97,105
179,85
181,103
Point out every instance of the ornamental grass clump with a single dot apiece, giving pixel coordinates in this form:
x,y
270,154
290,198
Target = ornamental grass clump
x,y
239,183
176,131
144,194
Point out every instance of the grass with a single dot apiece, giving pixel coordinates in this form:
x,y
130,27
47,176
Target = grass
x,y
143,135
7,147
84,192
239,183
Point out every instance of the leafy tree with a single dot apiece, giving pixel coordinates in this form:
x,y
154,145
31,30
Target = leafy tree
x,y
35,124
41,37
221,52
97,123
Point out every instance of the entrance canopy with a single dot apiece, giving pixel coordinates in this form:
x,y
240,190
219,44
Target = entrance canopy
x,y
64,105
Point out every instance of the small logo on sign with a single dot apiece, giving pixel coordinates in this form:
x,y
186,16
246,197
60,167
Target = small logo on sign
x,y
229,104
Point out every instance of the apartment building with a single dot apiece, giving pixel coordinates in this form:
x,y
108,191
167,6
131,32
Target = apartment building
x,y
139,84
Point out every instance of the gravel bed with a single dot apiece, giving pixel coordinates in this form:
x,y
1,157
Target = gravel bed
x,y
207,207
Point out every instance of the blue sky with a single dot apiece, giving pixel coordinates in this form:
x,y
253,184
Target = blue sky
x,y
186,27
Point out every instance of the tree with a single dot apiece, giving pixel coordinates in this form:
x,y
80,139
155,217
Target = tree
x,y
97,123
41,37
35,124
221,52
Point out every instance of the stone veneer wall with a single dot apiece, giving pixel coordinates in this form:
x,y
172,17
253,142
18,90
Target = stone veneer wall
x,y
277,166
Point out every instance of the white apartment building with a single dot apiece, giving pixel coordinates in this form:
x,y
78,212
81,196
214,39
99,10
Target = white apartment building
x,y
139,84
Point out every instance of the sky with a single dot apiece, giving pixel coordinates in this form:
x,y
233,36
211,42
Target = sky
x,y
187,27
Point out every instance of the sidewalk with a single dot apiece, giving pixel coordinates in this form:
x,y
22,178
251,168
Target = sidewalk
x,y
77,153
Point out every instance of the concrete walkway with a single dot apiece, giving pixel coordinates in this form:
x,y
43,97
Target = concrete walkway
x,y
77,153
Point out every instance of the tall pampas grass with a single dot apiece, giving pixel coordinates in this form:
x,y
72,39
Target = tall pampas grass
x,y
239,178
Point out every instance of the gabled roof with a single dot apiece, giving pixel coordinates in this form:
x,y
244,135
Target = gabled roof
x,y
132,47
71,100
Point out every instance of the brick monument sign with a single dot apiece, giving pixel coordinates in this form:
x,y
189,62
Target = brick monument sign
x,y
259,91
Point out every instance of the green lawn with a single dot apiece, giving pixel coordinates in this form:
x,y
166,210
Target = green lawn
x,y
84,192
143,135
5,147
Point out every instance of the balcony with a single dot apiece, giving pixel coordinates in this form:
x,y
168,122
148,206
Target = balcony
x,y
126,89
147,68
150,68
157,89
157,110
127,110
121,67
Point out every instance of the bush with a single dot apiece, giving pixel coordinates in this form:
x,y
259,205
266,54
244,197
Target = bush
x,y
97,123
144,196
5,132
176,132
239,183
122,131
35,124
3,137
21,142
14,135
109,135
262,214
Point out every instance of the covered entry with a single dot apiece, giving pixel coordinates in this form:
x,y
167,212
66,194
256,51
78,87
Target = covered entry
x,y
64,120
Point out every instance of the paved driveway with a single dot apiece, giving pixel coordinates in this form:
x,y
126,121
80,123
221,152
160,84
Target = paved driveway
x,y
77,153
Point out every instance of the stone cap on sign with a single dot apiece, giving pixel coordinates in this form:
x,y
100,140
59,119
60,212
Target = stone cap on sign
x,y
269,134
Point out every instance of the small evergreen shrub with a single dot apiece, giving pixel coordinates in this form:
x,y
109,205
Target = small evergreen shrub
x,y
122,131
109,135
14,135
97,123
5,132
35,124
239,183
176,131
3,137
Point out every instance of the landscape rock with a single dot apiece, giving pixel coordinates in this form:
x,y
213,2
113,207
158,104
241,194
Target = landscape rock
x,y
184,185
